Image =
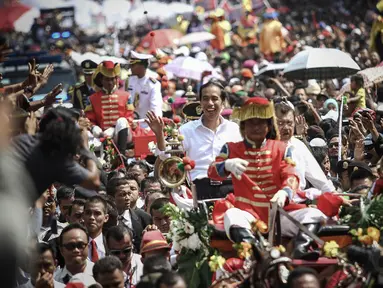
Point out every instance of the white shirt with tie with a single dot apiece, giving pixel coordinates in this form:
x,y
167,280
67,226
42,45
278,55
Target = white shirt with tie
x,y
62,273
100,247
126,219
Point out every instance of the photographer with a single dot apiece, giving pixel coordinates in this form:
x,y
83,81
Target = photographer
x,y
49,156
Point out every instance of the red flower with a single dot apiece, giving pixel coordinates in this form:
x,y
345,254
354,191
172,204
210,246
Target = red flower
x,y
187,167
192,164
152,34
186,160
176,119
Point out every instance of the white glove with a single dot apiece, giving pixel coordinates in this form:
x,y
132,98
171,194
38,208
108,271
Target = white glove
x,y
280,197
236,166
96,131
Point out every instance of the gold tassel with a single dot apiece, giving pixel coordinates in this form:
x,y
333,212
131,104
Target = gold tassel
x,y
253,111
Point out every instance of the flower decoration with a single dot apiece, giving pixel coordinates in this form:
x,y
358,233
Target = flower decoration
x,y
216,262
176,119
331,249
260,226
374,233
244,250
190,235
187,164
366,236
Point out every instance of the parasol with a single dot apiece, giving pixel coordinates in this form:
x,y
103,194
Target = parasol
x,y
271,68
195,37
160,38
9,14
188,67
320,64
371,76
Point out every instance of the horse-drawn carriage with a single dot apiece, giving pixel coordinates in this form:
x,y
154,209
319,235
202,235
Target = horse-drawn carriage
x,y
272,265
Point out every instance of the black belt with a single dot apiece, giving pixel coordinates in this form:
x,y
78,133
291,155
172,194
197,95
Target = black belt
x,y
210,189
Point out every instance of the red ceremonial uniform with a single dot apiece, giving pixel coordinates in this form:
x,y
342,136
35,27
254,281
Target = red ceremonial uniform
x,y
270,169
104,110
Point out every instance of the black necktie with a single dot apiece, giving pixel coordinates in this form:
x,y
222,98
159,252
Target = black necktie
x,y
66,279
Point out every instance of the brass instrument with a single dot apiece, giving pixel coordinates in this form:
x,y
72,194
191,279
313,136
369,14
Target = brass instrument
x,y
168,171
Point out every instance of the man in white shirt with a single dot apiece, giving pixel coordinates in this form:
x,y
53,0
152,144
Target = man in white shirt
x,y
204,138
95,216
145,91
307,169
74,248
119,240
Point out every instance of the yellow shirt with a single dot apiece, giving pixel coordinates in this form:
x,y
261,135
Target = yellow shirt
x,y
362,101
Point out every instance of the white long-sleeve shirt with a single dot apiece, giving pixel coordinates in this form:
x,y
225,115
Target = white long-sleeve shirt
x,y
202,144
308,168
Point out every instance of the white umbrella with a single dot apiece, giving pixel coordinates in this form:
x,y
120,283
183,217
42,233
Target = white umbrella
x,y
320,63
272,67
188,67
195,37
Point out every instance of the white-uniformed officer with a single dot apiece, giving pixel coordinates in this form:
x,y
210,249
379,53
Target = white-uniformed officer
x,y
145,91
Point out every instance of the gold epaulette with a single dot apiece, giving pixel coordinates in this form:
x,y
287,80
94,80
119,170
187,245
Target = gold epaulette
x,y
88,108
154,81
130,107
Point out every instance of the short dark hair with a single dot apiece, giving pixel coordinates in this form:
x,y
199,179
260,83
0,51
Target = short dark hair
x,y
131,177
114,183
358,79
42,247
156,264
141,164
72,227
216,83
169,279
117,233
299,272
319,154
158,204
78,202
108,264
147,197
111,206
149,181
97,199
64,192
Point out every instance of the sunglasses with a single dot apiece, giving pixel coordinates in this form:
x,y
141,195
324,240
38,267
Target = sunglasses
x,y
73,245
126,251
332,145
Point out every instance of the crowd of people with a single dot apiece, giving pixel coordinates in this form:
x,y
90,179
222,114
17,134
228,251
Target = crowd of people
x,y
96,211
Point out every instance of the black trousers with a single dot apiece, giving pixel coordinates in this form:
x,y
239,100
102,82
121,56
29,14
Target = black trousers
x,y
208,189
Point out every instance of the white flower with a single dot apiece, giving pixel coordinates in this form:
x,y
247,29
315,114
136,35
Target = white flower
x,y
183,243
173,225
176,246
189,228
193,242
